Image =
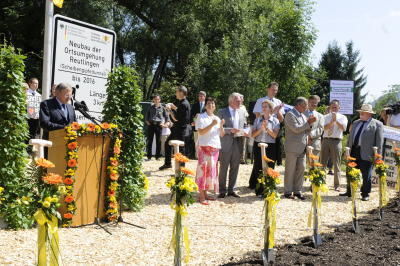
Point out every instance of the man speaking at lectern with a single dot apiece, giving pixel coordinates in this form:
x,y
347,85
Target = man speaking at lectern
x,y
56,113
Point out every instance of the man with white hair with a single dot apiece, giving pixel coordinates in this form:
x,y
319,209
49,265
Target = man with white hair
x,y
231,144
365,134
297,128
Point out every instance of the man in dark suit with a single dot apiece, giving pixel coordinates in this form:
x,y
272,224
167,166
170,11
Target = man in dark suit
x,y
196,109
365,134
56,113
181,127
231,144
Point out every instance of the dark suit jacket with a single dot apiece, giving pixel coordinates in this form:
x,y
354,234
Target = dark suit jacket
x,y
52,117
196,110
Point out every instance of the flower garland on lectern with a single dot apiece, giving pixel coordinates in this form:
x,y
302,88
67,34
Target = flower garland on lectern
x,y
74,131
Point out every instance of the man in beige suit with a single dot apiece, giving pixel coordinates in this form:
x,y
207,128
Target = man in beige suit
x,y
297,128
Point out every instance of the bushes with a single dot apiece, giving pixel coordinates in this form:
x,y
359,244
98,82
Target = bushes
x,y
123,108
16,207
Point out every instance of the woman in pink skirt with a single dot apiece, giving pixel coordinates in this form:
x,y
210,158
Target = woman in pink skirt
x,y
210,128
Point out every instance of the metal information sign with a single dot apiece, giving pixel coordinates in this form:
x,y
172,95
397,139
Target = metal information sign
x,y
83,55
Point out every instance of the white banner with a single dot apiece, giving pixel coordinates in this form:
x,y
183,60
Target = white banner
x,y
83,55
342,90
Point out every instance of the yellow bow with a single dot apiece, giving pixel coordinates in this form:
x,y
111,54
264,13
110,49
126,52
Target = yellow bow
x,y
47,230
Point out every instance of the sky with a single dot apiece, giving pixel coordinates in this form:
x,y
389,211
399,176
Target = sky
x,y
373,26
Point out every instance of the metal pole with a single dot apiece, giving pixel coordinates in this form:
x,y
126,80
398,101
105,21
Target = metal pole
x,y
47,49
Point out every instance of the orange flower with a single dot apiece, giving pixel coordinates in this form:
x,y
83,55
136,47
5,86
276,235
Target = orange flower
x,y
313,156
105,125
349,158
91,127
72,145
42,162
68,215
379,162
398,153
69,199
187,171
396,149
113,205
52,179
181,158
117,150
111,193
68,181
316,165
272,173
352,164
378,156
114,162
75,126
114,176
268,160
72,163
112,218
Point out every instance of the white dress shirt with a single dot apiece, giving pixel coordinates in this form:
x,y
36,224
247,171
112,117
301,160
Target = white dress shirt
x,y
335,132
258,106
235,117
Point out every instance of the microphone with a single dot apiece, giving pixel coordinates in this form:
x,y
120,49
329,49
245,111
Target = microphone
x,y
81,106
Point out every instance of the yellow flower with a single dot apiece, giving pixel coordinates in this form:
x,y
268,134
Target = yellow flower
x,y
54,199
48,199
146,183
171,182
261,180
46,204
278,181
71,207
25,200
113,186
1,190
62,190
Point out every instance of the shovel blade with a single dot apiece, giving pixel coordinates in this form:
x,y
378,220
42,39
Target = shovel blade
x,y
317,240
356,226
268,256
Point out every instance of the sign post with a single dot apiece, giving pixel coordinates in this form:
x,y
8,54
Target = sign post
x,y
83,56
343,91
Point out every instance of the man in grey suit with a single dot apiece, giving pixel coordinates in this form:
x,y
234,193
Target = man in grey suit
x,y
297,128
315,134
365,134
231,144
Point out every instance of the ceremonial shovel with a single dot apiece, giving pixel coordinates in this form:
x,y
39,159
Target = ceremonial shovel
x,y
267,254
356,226
178,251
380,189
317,240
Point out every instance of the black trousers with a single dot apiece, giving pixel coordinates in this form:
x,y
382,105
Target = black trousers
x,y
151,131
176,134
34,128
257,164
366,172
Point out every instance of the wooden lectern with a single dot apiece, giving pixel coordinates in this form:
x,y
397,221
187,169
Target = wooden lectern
x,y
90,177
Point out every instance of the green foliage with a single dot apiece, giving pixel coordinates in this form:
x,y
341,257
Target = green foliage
x,y
13,132
389,97
123,108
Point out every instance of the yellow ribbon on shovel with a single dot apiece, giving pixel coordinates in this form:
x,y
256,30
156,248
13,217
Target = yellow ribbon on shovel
x,y
383,185
180,232
354,188
316,200
271,201
47,230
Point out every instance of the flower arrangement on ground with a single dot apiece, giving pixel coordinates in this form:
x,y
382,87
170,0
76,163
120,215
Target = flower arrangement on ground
x,y
182,188
268,181
353,176
381,171
317,177
74,131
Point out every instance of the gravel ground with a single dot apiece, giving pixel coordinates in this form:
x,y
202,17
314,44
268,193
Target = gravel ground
x,y
227,229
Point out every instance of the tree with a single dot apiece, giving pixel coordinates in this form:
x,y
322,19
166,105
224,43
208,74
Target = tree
x,y
390,96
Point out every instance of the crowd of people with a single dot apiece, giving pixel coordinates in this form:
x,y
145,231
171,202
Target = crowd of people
x,y
220,137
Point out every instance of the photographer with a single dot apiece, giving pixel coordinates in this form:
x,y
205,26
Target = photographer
x,y
393,115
